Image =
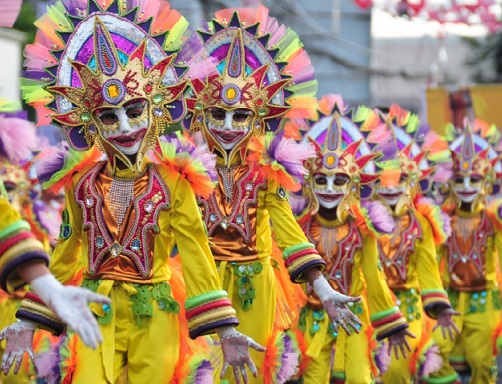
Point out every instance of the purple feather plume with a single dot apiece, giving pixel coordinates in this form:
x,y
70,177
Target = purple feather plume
x,y
289,361
51,160
432,362
290,154
297,203
47,363
380,216
382,358
205,374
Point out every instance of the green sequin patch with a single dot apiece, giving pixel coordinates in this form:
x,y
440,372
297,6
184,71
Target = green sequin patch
x,y
407,301
245,287
497,299
142,305
65,229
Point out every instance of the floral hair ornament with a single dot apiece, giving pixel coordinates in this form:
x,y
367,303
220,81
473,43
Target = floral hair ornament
x,y
261,67
89,56
340,149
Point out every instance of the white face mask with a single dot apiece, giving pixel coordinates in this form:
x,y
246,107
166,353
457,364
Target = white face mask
x,y
228,127
330,189
391,195
125,127
467,188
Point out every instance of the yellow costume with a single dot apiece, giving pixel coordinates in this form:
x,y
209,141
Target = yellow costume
x,y
469,260
249,95
347,241
124,214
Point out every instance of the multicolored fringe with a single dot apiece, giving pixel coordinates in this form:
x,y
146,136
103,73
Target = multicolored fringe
x,y
494,212
434,298
440,222
57,164
281,159
281,358
194,162
34,310
299,258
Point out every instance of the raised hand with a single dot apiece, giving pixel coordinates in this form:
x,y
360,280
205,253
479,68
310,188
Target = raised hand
x,y
445,321
19,338
235,347
335,305
398,342
69,304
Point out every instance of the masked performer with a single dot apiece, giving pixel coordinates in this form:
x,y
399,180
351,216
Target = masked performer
x,y
263,76
115,89
470,261
345,236
408,256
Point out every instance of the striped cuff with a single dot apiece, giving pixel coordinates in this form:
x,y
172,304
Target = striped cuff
x,y
386,323
33,309
209,311
434,299
299,258
17,246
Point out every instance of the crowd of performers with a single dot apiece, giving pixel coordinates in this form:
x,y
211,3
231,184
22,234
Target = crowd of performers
x,y
273,237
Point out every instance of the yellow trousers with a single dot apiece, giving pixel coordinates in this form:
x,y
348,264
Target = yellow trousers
x,y
257,321
351,360
474,345
150,351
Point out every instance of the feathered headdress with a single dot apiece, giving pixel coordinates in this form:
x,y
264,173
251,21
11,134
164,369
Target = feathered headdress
x,y
261,66
340,148
472,155
93,55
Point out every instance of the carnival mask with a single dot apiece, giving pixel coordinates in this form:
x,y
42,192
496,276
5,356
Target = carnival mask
x,y
16,183
124,128
330,188
228,127
392,193
468,188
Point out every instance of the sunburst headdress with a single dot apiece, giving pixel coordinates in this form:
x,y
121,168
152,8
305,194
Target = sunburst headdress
x,y
88,56
473,155
408,148
261,67
340,148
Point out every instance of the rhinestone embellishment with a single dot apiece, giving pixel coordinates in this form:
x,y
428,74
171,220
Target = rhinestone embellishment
x,y
135,245
100,242
89,201
116,249
239,219
225,223
213,217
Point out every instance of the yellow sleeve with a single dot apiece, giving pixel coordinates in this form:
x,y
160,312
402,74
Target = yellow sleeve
x,y
17,245
65,262
207,306
299,255
67,255
434,296
384,314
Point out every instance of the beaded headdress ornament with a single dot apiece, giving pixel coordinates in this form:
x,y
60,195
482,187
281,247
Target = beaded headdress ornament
x,y
261,67
340,148
104,55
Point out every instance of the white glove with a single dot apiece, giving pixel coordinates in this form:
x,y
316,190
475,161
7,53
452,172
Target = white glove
x,y
235,353
69,304
19,338
335,305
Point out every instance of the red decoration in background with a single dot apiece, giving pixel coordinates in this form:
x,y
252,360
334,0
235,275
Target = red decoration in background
x,y
478,12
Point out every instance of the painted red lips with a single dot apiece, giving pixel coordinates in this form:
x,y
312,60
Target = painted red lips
x,y
228,137
330,197
128,140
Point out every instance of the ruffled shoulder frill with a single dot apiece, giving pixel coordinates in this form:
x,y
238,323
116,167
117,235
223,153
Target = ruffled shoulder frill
x,y
280,159
494,212
372,217
194,162
439,220
56,165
